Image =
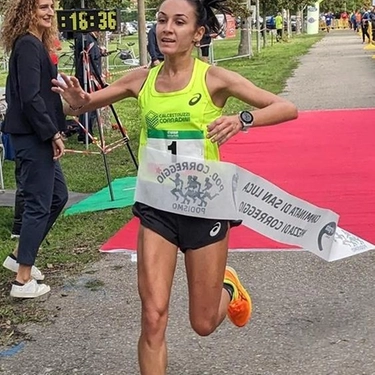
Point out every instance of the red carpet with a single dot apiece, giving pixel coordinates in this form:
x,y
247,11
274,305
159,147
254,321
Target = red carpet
x,y
326,158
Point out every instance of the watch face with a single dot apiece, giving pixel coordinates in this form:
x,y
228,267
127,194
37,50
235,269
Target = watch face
x,y
246,117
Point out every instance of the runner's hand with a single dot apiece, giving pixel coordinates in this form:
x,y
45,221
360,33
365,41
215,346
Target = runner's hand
x,y
71,91
223,128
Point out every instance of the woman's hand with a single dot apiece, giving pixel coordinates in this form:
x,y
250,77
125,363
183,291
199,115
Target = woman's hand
x,y
223,128
71,91
58,147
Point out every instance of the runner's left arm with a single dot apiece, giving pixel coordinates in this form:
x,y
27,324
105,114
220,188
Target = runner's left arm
x,y
270,108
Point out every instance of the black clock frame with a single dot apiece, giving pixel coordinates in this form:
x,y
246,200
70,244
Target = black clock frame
x,y
86,20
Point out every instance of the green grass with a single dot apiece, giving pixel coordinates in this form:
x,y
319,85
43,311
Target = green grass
x,y
74,241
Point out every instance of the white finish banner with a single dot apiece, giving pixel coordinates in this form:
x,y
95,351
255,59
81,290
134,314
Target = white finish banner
x,y
219,190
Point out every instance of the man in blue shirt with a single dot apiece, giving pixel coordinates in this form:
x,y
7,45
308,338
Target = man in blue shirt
x,y
365,25
329,18
372,20
153,48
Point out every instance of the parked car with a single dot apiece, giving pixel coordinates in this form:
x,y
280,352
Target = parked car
x,y
293,23
254,21
270,23
130,28
149,25
134,24
238,22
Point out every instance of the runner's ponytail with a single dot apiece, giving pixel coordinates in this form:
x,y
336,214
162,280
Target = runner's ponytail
x,y
206,11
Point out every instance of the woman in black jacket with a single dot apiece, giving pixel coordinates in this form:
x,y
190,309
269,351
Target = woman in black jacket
x,y
34,119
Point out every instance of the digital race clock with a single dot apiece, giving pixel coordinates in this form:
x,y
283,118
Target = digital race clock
x,y
85,20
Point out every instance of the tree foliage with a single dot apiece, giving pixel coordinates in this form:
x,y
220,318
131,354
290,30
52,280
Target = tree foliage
x,y
271,7
99,4
239,8
349,5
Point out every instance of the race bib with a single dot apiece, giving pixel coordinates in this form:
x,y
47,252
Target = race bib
x,y
180,142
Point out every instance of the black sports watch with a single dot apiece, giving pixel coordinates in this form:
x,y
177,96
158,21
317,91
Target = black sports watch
x,y
247,120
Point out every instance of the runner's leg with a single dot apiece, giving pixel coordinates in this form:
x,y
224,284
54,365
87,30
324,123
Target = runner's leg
x,y
208,301
156,266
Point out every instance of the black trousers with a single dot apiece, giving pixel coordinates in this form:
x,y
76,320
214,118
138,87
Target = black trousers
x,y
91,117
279,34
365,32
44,191
18,202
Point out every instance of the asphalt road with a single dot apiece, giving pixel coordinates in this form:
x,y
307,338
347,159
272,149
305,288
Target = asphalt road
x,y
310,317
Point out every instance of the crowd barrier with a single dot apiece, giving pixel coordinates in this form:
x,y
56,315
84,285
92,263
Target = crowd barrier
x,y
341,24
258,39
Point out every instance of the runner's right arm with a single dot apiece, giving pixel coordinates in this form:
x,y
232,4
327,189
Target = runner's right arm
x,y
78,101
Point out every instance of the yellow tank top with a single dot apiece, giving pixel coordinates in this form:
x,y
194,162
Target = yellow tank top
x,y
176,122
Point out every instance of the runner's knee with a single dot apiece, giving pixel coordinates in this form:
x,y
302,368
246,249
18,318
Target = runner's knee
x,y
205,324
154,322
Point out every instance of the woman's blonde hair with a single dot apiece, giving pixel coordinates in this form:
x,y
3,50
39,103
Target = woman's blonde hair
x,y
19,19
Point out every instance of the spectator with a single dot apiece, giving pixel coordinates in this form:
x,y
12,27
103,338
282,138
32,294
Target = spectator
x,y
353,21
365,25
34,119
372,19
153,48
204,46
270,23
344,19
328,19
358,18
279,26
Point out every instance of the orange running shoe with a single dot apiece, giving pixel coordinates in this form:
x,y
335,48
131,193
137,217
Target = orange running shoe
x,y
239,309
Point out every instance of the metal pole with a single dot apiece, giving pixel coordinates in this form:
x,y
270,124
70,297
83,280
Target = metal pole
x,y
106,166
85,84
257,24
107,49
211,52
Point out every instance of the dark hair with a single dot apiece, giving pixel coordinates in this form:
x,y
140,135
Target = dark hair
x,y
206,15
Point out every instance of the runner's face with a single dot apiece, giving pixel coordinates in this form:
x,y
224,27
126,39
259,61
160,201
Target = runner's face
x,y
45,12
176,29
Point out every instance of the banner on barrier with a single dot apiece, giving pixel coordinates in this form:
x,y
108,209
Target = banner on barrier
x,y
230,31
219,190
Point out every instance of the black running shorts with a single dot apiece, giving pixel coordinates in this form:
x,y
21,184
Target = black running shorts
x,y
183,231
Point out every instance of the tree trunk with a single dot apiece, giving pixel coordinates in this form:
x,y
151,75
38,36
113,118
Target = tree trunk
x,y
264,26
245,47
299,21
142,37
